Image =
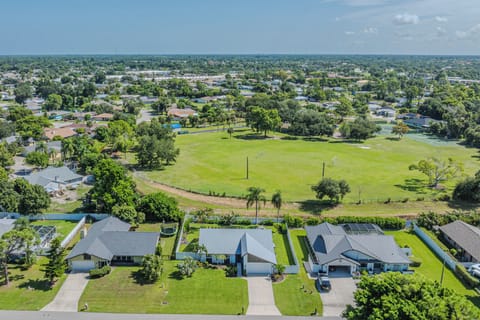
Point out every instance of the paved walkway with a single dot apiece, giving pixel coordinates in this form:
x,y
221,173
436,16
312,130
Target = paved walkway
x,y
341,294
260,297
69,294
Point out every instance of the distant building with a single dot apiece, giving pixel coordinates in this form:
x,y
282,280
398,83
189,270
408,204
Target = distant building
x,y
64,132
55,179
103,117
463,237
178,113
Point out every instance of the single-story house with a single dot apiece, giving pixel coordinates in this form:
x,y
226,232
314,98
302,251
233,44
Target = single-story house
x,y
53,179
463,237
64,132
103,117
353,248
52,146
252,248
109,241
178,113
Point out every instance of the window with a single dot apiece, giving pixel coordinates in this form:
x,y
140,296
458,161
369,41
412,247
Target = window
x,y
87,257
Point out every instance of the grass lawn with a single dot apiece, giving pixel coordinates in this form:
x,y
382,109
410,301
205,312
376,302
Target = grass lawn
x,y
28,290
297,295
212,162
167,243
63,227
208,291
431,266
282,249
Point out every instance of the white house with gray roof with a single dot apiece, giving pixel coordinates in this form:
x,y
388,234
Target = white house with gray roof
x,y
463,237
252,248
109,241
352,248
53,179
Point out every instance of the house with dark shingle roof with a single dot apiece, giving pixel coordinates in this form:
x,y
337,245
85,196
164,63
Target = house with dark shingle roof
x,y
252,248
343,247
109,241
463,237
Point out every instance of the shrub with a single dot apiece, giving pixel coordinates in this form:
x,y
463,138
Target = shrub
x,y
267,222
244,222
443,197
313,221
100,272
416,262
281,228
231,271
293,222
466,277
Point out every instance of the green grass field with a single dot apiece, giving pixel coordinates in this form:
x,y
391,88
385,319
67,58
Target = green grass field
x,y
431,266
376,169
208,291
167,243
297,295
28,290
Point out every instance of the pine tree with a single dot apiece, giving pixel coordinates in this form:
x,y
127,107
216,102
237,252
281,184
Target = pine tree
x,y
56,261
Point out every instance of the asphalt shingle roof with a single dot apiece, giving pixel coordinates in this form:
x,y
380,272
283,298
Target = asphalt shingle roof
x,y
110,237
256,242
465,235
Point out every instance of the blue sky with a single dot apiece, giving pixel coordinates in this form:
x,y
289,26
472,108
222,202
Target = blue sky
x,y
242,26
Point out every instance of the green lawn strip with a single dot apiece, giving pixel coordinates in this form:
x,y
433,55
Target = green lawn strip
x,y
297,295
208,291
431,266
166,242
63,227
28,290
282,248
209,162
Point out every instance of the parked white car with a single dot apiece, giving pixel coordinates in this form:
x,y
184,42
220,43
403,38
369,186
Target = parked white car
x,y
474,270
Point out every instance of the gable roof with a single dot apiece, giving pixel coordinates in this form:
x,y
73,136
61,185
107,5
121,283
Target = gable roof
x,y
256,242
110,237
331,242
465,235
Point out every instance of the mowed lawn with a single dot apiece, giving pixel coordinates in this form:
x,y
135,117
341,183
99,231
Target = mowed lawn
x,y
376,169
28,290
297,295
208,291
431,266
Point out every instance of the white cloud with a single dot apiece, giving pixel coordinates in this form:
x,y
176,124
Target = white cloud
x,y
441,19
472,32
370,30
441,31
349,33
406,18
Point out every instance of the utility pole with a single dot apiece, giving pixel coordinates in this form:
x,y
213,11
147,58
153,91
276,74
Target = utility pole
x,y
323,170
247,168
443,271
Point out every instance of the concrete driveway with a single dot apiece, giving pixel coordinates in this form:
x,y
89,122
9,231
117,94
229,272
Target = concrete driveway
x,y
341,294
260,297
69,294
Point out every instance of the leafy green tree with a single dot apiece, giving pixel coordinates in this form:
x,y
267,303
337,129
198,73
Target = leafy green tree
x,y
277,202
468,189
187,267
112,186
56,265
151,268
263,120
38,159
360,129
53,102
159,207
308,122
438,170
23,92
254,196
32,198
400,129
10,199
334,189
344,109
6,158
395,296
128,214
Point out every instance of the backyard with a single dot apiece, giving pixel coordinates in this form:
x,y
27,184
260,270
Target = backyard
x,y
166,243
208,291
297,295
210,162
28,290
431,266
63,227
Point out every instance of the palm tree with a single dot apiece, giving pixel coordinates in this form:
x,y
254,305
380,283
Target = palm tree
x,y
277,202
67,148
254,196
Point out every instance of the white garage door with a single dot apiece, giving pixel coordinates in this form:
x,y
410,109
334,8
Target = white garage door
x,y
83,265
259,268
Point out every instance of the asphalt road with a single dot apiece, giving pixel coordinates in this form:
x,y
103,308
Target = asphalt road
x,y
39,315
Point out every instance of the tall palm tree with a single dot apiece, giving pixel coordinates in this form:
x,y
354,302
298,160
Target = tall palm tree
x,y
255,196
277,202
67,148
